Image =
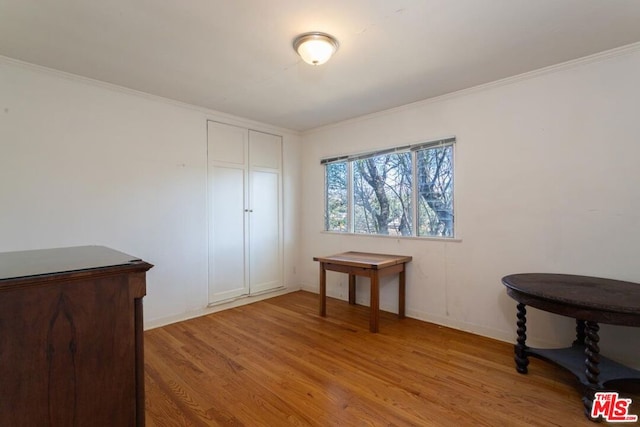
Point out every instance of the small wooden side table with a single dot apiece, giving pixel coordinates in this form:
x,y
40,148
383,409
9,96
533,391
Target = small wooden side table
x,y
373,266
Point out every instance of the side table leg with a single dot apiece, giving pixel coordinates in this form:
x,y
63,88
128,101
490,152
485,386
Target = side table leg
x,y
521,357
592,371
579,333
352,289
401,293
323,290
375,302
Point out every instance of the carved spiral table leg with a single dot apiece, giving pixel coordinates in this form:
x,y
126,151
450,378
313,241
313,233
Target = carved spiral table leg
x,y
592,371
579,332
521,358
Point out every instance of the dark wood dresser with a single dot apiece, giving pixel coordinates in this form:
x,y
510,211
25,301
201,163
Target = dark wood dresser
x,y
71,338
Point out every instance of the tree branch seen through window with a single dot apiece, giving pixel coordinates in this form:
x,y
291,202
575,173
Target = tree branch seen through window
x,y
389,191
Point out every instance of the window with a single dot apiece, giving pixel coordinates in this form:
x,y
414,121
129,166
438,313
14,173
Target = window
x,y
336,200
404,191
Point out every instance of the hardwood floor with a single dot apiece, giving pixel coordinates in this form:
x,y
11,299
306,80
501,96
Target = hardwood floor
x,y
277,363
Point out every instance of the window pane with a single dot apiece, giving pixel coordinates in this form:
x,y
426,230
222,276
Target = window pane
x,y
435,192
382,195
336,197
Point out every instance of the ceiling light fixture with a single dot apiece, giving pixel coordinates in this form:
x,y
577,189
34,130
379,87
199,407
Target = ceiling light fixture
x,y
315,48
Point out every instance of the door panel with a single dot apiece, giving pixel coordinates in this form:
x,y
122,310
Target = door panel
x,y
264,231
265,150
227,143
227,234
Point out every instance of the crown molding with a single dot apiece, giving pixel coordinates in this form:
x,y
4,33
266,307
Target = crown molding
x,y
206,112
574,63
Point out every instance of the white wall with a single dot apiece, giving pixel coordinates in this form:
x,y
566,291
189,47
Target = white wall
x,y
547,179
546,175
85,163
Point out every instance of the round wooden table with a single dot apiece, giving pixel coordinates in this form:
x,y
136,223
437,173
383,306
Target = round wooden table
x,y
589,300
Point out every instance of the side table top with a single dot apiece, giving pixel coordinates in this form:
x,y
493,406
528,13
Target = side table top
x,y
580,291
365,259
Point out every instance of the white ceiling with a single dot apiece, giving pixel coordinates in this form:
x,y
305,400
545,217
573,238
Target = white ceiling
x,y
235,56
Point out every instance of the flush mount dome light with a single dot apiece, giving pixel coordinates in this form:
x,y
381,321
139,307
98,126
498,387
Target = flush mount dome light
x,y
315,48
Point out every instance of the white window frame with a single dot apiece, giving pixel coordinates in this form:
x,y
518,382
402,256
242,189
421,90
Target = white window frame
x,y
413,149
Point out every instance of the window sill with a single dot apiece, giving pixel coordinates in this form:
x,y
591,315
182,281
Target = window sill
x,y
437,239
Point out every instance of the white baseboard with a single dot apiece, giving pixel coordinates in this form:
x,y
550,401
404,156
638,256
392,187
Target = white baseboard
x,y
214,308
506,336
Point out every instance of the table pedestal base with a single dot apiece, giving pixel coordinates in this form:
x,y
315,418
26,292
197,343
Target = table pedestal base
x,y
593,371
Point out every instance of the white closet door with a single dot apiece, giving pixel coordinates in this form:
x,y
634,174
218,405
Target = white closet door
x,y
265,245
245,217
227,172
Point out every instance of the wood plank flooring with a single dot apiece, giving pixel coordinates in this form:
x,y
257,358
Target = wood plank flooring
x,y
277,363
